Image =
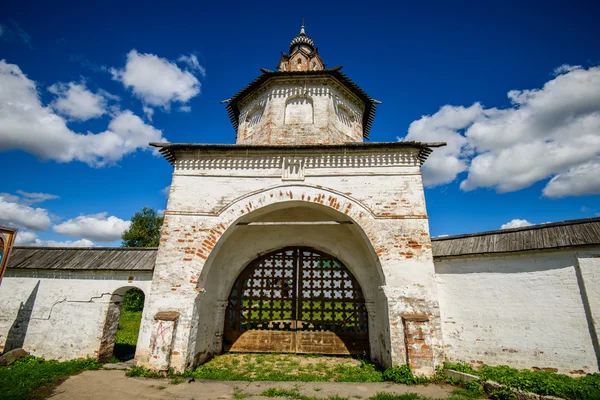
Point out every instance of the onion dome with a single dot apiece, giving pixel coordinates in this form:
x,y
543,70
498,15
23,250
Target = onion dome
x,y
302,41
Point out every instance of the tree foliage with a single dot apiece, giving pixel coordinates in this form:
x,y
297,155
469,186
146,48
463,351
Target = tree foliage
x,y
133,300
144,230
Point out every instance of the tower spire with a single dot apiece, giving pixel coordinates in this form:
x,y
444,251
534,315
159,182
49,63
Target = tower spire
x,y
302,28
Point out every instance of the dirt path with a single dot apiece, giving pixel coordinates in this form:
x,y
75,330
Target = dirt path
x,y
113,384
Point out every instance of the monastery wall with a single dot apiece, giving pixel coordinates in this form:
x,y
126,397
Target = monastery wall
x,y
537,309
527,310
61,314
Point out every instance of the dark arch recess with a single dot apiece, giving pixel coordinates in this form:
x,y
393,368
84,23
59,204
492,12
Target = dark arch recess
x,y
296,300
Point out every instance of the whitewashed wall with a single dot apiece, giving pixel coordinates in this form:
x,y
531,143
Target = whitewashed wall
x,y
202,249
525,309
60,314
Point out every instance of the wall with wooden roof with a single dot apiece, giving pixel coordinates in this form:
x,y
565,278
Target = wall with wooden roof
x,y
56,307
536,309
526,297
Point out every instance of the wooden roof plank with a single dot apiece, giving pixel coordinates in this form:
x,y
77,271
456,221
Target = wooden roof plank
x,y
134,259
537,237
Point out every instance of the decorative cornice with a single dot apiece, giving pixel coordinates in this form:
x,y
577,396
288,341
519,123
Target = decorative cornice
x,y
263,153
309,161
314,88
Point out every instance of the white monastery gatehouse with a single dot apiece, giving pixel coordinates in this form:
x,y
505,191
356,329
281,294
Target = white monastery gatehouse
x,y
303,238
298,238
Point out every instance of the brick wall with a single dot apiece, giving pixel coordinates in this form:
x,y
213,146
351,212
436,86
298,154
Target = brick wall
x,y
333,117
203,249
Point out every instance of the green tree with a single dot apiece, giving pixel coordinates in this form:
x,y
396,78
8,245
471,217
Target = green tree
x,y
144,230
133,300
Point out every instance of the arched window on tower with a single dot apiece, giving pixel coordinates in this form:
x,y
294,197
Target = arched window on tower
x,y
345,115
253,118
299,110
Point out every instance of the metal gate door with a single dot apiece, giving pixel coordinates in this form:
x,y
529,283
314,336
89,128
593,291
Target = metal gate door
x,y
296,300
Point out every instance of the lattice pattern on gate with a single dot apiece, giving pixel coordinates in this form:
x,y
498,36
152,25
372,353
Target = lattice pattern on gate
x,y
307,293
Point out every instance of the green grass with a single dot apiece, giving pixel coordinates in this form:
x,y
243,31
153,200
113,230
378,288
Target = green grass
x,y
143,372
456,395
294,394
393,396
287,367
127,333
540,382
28,377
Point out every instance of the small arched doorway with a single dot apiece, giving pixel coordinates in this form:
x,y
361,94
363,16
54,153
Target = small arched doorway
x,y
296,300
122,324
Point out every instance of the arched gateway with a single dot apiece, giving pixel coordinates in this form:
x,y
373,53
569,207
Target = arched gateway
x,y
296,300
295,178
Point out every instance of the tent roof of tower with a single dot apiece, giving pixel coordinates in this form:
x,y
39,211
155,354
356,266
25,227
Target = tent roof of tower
x,y
370,103
169,150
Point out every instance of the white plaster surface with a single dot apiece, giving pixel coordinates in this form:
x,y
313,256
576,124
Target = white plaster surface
x,y
524,310
295,110
64,317
202,249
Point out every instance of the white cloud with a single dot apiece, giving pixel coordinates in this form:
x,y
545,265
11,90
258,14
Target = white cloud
x,y
75,101
14,214
580,180
563,69
157,81
25,238
66,243
26,124
166,190
192,62
447,162
550,132
185,108
149,112
516,223
97,227
29,198
11,198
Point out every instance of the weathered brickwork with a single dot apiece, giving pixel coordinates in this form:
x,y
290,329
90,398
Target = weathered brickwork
x,y
330,113
419,349
203,249
303,55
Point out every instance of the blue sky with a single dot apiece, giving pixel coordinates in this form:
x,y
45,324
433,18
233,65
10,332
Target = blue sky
x,y
532,156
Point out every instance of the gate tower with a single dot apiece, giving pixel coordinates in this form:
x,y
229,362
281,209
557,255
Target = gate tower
x,y
301,237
